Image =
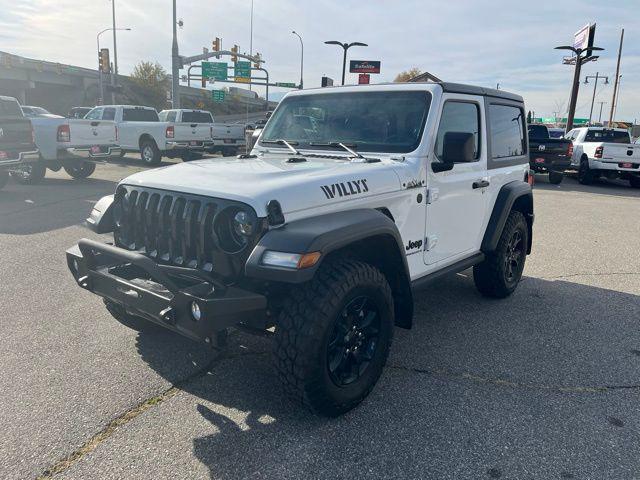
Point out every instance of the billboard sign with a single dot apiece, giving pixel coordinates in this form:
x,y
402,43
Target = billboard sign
x,y
581,38
363,79
327,82
364,66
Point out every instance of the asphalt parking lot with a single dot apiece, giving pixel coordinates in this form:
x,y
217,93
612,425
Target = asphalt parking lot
x,y
545,384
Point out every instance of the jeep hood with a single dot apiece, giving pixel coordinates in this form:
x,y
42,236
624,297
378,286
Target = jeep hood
x,y
256,181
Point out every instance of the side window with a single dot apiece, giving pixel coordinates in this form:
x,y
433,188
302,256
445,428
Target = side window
x,y
95,114
109,114
507,131
459,117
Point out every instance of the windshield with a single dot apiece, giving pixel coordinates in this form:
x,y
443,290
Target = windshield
x,y
196,117
607,136
369,121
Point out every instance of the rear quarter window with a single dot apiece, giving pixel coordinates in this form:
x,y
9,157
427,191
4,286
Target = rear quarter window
x,y
507,131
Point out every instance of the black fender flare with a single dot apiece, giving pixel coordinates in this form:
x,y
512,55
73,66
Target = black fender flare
x,y
513,195
332,233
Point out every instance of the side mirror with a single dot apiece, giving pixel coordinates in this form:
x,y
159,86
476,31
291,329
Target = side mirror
x,y
457,147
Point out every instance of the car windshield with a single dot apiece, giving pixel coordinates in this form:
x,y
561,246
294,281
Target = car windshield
x,y
196,117
389,121
607,136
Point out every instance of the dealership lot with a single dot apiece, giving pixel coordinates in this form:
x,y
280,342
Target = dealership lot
x,y
541,385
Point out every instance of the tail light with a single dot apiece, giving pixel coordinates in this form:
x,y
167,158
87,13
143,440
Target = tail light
x,y
64,133
117,133
570,150
599,151
170,132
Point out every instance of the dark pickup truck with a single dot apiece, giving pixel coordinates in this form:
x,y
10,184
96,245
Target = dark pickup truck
x,y
17,145
548,155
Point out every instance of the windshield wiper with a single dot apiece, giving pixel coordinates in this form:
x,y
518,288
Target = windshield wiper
x,y
288,144
349,147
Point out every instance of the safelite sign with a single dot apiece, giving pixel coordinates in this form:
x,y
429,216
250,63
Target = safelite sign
x,y
364,66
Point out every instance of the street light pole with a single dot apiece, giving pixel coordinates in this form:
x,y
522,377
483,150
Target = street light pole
x,y
345,47
301,58
114,74
100,81
175,58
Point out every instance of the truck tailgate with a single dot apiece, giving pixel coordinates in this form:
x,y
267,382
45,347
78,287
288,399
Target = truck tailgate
x,y
228,132
620,152
16,137
196,132
86,133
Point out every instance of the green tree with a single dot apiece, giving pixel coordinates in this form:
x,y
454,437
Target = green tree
x,y
407,75
152,82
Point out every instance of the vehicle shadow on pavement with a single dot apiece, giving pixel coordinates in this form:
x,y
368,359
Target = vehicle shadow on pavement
x,y
55,203
616,188
479,388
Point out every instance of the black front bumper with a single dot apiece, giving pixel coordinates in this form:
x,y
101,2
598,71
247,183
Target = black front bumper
x,y
162,294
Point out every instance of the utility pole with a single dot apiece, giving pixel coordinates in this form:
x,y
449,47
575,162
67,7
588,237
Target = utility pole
x,y
593,97
617,96
600,116
617,78
175,59
114,74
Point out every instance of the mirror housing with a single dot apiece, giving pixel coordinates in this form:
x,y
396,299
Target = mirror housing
x,y
458,147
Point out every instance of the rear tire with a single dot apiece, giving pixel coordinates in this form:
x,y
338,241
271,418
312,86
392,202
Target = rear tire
x,y
138,324
634,182
333,337
80,170
30,173
585,174
150,153
555,178
4,178
499,274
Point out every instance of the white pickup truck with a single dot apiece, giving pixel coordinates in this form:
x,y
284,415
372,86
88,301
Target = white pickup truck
x,y
72,144
140,130
599,151
227,139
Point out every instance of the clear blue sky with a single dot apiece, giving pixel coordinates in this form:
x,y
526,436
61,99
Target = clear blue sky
x,y
477,42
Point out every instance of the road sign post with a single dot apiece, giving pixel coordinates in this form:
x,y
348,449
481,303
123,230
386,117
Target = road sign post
x,y
243,72
214,70
218,95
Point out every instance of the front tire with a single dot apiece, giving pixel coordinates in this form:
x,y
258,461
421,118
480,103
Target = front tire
x,y
149,153
30,173
333,337
585,174
499,274
555,178
80,170
138,324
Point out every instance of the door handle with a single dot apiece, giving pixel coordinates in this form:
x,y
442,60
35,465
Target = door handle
x,y
480,184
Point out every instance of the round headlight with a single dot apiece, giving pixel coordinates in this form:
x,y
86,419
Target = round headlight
x,y
242,223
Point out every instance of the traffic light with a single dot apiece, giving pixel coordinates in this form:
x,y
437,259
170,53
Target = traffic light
x,y
234,50
104,65
215,46
258,59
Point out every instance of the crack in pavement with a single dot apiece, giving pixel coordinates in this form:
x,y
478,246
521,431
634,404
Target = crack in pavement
x,y
90,445
508,383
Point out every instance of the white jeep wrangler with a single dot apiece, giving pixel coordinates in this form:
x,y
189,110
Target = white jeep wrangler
x,y
353,198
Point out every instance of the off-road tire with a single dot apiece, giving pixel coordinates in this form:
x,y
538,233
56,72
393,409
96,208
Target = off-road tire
x,y
491,276
138,324
634,181
149,153
586,176
30,173
555,178
306,325
4,178
81,170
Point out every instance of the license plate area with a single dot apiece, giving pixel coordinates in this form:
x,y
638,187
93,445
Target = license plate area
x,y
627,165
229,140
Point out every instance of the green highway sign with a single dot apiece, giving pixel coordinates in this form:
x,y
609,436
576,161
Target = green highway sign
x,y
242,70
215,70
218,95
286,84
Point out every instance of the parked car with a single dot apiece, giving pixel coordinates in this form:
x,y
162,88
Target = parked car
x,y
17,145
225,138
599,151
140,130
319,239
548,155
37,112
78,112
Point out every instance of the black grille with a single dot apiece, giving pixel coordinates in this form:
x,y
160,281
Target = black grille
x,y
176,229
